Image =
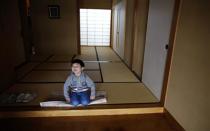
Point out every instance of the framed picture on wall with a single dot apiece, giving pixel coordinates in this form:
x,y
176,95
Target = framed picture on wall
x,y
54,11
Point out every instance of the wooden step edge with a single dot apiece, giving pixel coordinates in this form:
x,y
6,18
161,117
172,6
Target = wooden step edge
x,y
88,112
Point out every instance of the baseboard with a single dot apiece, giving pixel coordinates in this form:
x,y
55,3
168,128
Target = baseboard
x,y
172,121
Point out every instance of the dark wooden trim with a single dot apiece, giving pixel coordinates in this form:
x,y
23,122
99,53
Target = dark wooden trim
x,y
172,121
47,58
78,27
121,82
111,27
63,69
39,82
139,78
25,31
170,49
99,64
54,82
48,82
59,61
20,65
88,61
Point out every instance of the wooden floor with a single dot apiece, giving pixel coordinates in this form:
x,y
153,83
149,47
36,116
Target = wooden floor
x,y
152,122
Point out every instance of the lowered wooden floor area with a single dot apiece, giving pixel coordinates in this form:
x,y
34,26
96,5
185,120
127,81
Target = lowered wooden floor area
x,y
152,122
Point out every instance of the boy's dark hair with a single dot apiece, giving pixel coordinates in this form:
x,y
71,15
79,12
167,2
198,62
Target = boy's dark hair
x,y
78,61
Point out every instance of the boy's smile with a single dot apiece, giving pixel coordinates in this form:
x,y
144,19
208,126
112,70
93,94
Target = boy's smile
x,y
77,69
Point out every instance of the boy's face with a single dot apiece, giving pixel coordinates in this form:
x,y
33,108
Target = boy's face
x,y
76,68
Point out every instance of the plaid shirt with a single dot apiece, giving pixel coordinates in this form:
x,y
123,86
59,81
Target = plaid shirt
x,y
78,84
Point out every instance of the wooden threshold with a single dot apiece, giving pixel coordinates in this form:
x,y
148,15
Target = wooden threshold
x,y
172,121
76,112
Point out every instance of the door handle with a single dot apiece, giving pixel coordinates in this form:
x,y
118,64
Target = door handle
x,y
166,46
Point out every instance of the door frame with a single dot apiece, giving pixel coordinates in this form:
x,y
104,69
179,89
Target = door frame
x,y
175,19
25,33
78,27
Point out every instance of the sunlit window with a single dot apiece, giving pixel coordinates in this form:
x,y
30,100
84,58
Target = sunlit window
x,y
95,27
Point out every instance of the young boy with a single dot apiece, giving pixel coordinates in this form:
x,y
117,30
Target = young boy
x,y
79,88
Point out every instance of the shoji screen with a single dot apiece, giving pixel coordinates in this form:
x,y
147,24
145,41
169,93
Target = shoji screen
x,y
95,27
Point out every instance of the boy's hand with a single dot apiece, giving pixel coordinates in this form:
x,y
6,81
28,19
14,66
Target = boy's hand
x,y
92,97
68,100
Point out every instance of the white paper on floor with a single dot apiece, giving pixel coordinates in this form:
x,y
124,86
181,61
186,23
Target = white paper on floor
x,y
100,99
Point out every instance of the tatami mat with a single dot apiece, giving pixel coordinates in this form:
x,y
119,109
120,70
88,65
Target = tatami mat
x,y
117,72
88,50
25,69
39,58
87,57
61,58
46,76
107,54
66,66
54,66
94,75
56,76
87,54
117,93
91,65
121,85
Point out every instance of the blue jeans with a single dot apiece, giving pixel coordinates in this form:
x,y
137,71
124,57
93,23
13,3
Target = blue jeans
x,y
77,98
